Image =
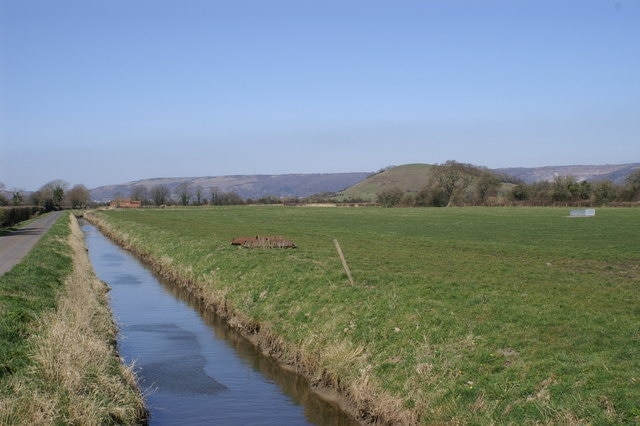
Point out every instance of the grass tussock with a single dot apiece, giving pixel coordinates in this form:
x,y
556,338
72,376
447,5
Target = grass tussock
x,y
73,374
458,316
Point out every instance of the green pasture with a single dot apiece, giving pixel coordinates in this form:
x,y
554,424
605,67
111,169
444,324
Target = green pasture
x,y
471,315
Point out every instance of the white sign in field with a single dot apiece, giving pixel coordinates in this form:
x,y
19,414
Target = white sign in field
x,y
582,213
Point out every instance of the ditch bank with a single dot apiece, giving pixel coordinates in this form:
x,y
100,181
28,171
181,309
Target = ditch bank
x,y
69,370
366,404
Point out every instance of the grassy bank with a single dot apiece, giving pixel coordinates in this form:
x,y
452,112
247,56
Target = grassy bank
x,y
58,363
458,315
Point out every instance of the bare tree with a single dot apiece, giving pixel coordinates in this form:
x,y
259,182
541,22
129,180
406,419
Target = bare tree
x,y
50,195
488,184
159,194
140,193
79,197
183,193
215,196
230,198
452,178
633,185
199,195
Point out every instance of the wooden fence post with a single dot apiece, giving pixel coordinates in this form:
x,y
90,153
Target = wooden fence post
x,y
344,262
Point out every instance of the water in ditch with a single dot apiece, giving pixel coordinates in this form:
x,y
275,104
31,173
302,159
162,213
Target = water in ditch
x,y
192,367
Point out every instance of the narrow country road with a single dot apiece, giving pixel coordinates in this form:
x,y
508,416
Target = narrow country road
x,y
15,245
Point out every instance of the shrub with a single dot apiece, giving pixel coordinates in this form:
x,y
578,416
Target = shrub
x,y
13,215
390,197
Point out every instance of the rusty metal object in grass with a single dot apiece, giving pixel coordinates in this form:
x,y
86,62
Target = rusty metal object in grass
x,y
263,242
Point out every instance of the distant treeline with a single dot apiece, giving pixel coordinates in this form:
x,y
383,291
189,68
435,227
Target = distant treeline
x,y
449,184
54,195
457,184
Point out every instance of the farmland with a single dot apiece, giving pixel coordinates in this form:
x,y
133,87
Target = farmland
x,y
463,315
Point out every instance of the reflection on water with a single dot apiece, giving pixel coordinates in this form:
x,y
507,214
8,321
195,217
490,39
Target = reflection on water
x,y
177,364
195,369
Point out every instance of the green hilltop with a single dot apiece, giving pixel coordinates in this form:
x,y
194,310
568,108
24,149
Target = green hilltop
x,y
408,178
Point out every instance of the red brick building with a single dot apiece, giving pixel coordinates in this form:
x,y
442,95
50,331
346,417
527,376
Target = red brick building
x,y
125,203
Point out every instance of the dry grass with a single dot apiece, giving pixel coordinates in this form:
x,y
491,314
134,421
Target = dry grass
x,y
76,376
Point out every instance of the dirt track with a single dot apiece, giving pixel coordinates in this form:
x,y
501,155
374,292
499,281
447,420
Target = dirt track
x,y
15,245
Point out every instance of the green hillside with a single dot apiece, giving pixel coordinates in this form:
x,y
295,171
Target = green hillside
x,y
409,178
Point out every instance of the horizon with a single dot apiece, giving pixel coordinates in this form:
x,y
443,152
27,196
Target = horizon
x,y
103,92
173,178
320,173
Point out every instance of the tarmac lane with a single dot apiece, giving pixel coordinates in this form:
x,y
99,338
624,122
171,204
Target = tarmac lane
x,y
17,244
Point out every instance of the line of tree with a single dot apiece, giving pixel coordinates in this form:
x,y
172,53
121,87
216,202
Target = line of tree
x,y
458,184
184,194
568,190
53,195
449,184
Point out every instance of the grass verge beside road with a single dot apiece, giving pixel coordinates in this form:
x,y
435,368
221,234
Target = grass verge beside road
x,y
469,315
58,363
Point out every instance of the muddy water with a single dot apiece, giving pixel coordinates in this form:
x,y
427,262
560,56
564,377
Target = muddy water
x,y
192,368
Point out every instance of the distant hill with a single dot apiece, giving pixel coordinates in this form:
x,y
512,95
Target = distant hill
x,y
246,186
613,172
408,177
358,185
414,177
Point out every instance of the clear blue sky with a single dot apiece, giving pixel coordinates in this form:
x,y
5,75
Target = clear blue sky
x,y
109,91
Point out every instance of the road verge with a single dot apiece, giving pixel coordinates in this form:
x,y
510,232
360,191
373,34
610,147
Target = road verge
x,y
65,369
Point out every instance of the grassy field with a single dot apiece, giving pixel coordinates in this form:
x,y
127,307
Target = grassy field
x,y
58,363
471,315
